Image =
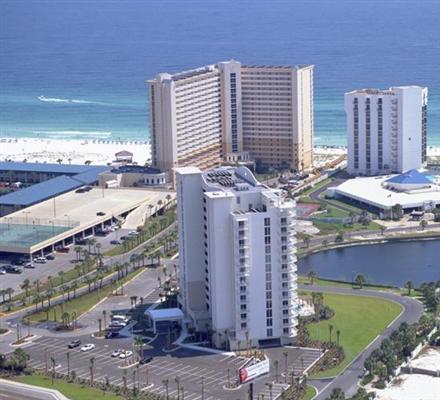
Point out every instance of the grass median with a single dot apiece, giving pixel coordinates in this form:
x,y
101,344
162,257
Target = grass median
x,y
310,393
359,319
80,304
71,390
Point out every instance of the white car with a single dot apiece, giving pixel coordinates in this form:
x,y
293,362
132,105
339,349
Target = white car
x,y
29,265
117,353
126,354
133,233
40,260
2,271
88,347
118,324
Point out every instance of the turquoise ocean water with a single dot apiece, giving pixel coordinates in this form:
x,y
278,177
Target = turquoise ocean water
x,y
77,69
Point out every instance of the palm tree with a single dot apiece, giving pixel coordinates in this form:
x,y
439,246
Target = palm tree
x,y
36,300
36,283
9,292
317,301
330,331
26,286
74,287
68,364
61,275
49,295
139,342
312,276
98,247
423,224
53,363
104,315
91,368
3,294
409,285
275,364
360,280
78,251
338,335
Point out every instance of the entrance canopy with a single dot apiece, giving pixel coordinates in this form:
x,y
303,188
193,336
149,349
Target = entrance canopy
x,y
164,315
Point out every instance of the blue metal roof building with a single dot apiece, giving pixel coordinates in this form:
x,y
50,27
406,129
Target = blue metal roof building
x,y
40,192
412,177
46,180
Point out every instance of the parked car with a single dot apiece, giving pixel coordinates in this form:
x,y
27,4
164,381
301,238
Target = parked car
x,y
117,353
11,269
111,335
117,324
115,242
133,233
126,354
62,249
88,347
29,265
145,360
119,317
50,257
123,238
2,271
40,260
74,343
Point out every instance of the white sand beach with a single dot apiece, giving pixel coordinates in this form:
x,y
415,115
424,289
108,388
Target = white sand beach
x,y
99,152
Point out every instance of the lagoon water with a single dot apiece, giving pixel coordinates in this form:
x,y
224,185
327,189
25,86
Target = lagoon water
x,y
391,263
77,69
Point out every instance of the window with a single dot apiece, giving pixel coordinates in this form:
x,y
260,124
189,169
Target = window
x,y
266,221
243,325
269,332
243,316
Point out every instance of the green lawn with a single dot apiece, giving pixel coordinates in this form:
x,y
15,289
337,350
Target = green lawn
x,y
70,390
333,212
327,282
329,228
80,304
359,319
310,393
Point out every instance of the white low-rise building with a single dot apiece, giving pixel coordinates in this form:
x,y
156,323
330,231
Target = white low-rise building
x,y
412,190
237,257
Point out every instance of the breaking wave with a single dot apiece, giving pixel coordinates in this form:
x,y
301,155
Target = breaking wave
x,y
69,101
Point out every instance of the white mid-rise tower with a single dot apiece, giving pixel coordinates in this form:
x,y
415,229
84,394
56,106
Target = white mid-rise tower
x,y
386,130
237,256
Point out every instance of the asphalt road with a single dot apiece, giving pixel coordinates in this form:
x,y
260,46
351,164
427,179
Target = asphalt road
x,y
348,379
9,391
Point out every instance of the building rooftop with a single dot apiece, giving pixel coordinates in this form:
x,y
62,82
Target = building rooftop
x,y
66,169
70,178
371,190
232,178
41,191
412,177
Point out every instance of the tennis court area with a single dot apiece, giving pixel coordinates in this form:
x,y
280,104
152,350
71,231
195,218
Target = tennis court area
x,y
26,235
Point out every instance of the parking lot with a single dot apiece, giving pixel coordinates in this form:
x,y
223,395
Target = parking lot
x,y
62,262
200,374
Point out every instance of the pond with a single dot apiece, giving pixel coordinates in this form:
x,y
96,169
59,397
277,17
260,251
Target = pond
x,y
391,263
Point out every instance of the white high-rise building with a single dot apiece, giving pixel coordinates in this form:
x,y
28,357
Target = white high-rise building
x,y
227,111
237,256
386,130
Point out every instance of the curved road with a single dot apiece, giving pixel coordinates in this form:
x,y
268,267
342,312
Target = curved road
x,y
347,379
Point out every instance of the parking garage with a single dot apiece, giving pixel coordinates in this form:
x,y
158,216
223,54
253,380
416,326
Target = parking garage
x,y
69,218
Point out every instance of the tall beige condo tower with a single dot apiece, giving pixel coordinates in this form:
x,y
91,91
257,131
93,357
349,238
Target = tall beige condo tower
x,y
228,111
278,115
